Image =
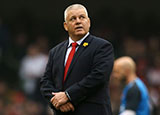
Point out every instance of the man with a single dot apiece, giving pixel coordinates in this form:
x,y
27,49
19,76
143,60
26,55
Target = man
x,y
77,74
135,98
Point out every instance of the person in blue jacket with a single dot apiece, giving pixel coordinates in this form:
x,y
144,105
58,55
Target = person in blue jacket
x,y
135,97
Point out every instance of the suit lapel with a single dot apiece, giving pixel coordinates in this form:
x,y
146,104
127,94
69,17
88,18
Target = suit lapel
x,y
62,59
78,53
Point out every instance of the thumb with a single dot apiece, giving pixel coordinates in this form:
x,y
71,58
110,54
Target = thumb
x,y
53,93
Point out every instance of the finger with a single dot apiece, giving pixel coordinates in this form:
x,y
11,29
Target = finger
x,y
53,93
63,108
59,103
71,106
55,104
54,100
56,107
51,100
67,108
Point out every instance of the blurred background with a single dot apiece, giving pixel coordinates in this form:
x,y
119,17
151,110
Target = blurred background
x,y
29,28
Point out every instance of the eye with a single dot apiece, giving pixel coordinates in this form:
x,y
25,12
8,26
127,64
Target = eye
x,y
82,17
72,18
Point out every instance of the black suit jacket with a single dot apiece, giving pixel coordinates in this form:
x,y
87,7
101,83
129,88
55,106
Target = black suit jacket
x,y
87,79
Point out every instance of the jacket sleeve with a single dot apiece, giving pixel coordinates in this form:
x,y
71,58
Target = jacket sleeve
x,y
46,84
99,75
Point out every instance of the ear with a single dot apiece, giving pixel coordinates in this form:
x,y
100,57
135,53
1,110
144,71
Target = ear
x,y
65,26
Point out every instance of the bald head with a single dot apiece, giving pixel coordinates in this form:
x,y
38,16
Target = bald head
x,y
74,6
124,68
126,63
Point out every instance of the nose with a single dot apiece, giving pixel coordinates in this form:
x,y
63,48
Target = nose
x,y
78,21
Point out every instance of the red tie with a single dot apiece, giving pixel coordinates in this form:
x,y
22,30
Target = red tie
x,y
69,60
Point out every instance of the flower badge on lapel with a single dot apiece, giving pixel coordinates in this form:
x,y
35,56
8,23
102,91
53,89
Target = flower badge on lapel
x,y
85,44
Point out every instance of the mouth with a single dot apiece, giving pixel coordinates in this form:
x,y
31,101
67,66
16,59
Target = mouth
x,y
77,28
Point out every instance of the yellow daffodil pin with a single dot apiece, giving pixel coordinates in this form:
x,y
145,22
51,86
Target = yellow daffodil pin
x,y
85,44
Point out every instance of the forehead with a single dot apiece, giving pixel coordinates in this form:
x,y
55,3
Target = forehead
x,y
76,12
117,65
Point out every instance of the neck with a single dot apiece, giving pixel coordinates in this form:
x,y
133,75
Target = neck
x,y
76,38
131,78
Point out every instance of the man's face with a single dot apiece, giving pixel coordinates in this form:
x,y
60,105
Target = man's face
x,y
118,72
77,23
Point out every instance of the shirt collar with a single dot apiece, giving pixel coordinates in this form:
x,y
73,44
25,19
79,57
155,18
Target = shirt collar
x,y
79,41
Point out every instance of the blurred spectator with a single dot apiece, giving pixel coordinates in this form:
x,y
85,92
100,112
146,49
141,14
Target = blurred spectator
x,y
153,74
155,97
135,97
32,68
145,52
153,78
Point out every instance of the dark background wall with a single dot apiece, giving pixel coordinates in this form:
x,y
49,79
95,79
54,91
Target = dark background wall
x,y
138,17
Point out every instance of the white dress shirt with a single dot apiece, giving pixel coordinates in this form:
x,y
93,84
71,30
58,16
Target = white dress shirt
x,y
70,46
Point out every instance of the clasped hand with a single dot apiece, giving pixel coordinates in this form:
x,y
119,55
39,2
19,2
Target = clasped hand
x,y
61,102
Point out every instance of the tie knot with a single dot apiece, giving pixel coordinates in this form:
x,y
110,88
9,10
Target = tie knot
x,y
74,44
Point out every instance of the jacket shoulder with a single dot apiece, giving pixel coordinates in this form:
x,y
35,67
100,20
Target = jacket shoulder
x,y
99,40
58,46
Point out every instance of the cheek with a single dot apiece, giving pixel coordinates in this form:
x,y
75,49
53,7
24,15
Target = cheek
x,y
86,23
70,28
118,75
86,27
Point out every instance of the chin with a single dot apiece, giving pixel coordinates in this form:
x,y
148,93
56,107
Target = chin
x,y
80,33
